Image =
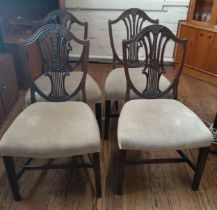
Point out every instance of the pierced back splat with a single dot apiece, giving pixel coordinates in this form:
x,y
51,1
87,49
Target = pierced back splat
x,y
153,39
65,18
133,20
53,41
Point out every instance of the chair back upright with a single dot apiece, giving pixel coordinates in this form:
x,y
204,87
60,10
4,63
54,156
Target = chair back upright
x,y
53,41
65,18
134,20
153,41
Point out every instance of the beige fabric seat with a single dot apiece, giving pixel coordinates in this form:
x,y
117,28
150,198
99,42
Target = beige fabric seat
x,y
92,89
51,130
115,85
160,124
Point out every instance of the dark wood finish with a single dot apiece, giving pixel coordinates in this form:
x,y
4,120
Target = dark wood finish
x,y
98,113
11,173
202,157
121,167
153,62
199,168
154,39
133,20
215,122
53,43
96,169
2,113
65,18
13,176
107,118
144,186
62,17
8,85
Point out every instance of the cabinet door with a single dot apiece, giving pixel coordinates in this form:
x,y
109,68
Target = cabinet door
x,y
189,33
202,49
212,59
8,82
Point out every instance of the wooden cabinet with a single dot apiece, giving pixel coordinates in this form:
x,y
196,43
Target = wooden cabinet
x,y
8,85
201,58
201,49
203,12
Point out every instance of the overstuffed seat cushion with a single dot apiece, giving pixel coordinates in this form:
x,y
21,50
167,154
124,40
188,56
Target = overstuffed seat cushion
x,y
160,124
93,92
51,130
115,85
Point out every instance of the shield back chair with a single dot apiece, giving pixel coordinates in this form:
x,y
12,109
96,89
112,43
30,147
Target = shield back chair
x,y
153,124
133,21
68,20
57,128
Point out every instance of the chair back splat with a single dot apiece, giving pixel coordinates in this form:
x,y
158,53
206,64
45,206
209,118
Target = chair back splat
x,y
134,21
65,18
53,42
151,44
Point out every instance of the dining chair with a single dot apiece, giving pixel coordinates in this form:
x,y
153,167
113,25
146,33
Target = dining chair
x,y
55,128
67,19
132,21
153,124
93,92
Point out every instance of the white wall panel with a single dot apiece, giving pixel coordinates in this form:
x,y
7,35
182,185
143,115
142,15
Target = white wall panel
x,y
98,12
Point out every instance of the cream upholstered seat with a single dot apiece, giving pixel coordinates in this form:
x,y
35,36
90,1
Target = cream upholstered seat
x,y
154,123
133,20
160,124
52,130
116,83
56,127
93,92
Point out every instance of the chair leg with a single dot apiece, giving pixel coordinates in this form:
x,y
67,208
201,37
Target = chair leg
x,y
121,167
12,178
98,114
107,118
96,168
201,161
116,105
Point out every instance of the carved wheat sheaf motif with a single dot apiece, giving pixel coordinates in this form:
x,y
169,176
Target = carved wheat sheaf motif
x,y
134,21
54,49
53,41
153,41
155,44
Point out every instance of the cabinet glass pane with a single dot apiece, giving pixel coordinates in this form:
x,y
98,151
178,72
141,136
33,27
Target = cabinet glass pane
x,y
203,10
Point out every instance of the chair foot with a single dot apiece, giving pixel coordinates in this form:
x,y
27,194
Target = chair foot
x,y
98,115
107,118
12,178
201,161
96,168
121,167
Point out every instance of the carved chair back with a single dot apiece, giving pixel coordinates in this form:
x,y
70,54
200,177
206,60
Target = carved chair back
x,y
134,21
65,18
53,40
153,41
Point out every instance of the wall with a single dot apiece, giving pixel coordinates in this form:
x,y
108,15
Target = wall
x,y
98,12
